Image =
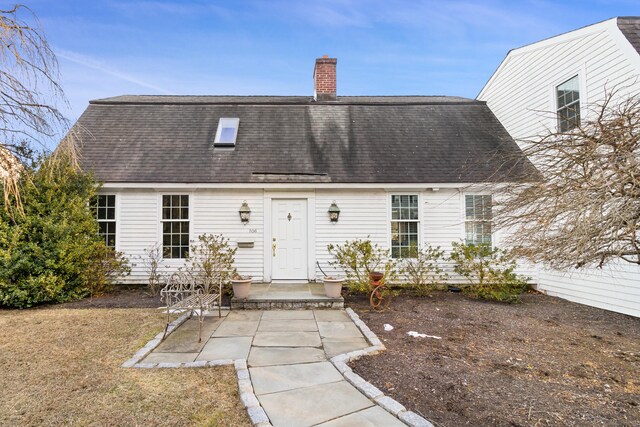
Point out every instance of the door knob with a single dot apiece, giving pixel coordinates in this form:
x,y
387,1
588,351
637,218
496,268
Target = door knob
x,y
273,248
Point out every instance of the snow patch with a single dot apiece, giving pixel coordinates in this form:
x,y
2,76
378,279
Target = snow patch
x,y
419,335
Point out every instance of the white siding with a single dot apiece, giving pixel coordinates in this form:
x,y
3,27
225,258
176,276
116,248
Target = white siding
x,y
521,94
216,212
137,228
213,212
443,218
363,213
615,288
522,91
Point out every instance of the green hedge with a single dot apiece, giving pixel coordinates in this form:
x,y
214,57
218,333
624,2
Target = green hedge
x,y
49,247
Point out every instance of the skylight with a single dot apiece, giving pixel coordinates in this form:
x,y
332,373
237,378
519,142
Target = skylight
x,y
227,132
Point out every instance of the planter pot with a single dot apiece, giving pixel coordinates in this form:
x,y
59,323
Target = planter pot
x,y
241,288
332,287
376,276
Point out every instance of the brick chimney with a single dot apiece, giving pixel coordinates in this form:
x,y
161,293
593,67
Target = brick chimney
x,y
324,79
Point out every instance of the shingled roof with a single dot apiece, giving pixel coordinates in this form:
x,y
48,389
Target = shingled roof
x,y
403,139
630,27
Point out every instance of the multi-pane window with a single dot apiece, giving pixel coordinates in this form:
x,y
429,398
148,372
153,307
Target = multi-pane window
x,y
568,102
175,226
404,225
105,210
477,225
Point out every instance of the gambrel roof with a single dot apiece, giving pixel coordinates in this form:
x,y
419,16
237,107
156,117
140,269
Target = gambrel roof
x,y
169,139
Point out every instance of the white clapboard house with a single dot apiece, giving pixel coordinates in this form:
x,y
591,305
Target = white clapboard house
x,y
564,75
311,170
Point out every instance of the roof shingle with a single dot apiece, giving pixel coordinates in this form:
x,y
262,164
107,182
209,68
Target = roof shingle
x,y
630,27
294,139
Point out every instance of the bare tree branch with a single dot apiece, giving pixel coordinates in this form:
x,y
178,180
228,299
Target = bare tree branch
x,y
29,92
586,209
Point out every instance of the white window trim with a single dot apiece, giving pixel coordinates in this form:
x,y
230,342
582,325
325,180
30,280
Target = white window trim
x,y
115,219
390,220
221,124
160,234
463,214
581,73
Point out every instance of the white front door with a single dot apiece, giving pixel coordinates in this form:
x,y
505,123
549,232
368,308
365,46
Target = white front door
x,y
289,240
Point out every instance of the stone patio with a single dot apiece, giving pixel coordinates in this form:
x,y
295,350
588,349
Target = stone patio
x,y
287,355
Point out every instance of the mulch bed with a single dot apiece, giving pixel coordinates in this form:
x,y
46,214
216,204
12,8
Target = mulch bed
x,y
545,362
124,296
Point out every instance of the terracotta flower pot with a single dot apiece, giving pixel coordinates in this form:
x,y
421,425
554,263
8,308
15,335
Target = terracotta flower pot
x,y
241,287
376,276
332,287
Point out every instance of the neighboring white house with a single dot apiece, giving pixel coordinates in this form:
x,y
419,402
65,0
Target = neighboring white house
x,y
551,84
401,170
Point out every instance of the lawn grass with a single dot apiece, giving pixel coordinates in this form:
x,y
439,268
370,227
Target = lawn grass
x,y
62,367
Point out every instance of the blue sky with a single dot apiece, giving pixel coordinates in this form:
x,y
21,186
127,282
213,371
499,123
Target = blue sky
x,y
268,47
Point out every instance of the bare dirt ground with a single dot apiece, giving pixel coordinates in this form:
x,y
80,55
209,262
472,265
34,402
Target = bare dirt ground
x,y
545,362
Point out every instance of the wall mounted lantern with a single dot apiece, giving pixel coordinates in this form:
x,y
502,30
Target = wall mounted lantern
x,y
334,212
245,212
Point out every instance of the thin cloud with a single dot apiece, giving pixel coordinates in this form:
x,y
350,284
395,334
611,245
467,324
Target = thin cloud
x,y
89,62
135,8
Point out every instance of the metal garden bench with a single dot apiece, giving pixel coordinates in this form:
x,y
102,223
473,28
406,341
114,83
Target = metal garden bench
x,y
182,293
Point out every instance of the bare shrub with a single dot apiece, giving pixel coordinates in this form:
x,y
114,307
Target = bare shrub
x,y
152,261
490,272
211,260
359,257
423,269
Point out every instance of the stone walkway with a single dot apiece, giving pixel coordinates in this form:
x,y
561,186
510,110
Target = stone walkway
x,y
287,355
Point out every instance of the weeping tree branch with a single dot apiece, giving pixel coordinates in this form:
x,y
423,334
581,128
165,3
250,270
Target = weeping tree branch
x,y
29,93
585,211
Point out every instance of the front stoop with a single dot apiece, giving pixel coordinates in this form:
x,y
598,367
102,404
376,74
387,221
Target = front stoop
x,y
287,296
287,304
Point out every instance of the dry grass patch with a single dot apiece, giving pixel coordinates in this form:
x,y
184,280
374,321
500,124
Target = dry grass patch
x,y
62,366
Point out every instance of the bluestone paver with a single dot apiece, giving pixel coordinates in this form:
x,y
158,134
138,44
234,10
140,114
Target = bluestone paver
x,y
338,330
331,316
269,356
287,339
281,361
374,416
236,328
226,348
245,315
299,325
288,315
185,338
335,346
313,405
271,379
